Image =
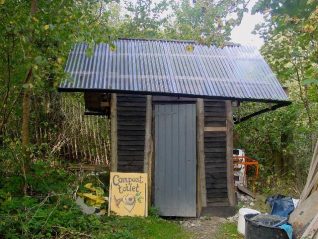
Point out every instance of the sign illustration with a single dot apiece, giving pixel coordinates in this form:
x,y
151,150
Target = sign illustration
x,y
128,194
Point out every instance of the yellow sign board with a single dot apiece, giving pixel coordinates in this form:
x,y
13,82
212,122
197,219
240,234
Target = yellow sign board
x,y
128,194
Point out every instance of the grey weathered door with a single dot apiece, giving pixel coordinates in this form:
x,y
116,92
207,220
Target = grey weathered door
x,y
175,160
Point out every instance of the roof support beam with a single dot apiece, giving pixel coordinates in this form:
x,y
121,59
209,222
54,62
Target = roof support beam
x,y
272,108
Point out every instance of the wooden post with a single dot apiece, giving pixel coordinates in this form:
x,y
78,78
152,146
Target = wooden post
x,y
113,134
201,183
148,152
312,230
229,153
311,175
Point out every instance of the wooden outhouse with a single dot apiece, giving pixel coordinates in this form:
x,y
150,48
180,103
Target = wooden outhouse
x,y
170,105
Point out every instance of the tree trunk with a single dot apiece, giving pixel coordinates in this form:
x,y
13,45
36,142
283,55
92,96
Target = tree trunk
x,y
26,103
279,164
25,131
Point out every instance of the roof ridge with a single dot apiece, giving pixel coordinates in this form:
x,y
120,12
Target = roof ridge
x,y
230,44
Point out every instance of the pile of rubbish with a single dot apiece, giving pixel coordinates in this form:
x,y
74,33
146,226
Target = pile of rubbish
x,y
254,224
289,218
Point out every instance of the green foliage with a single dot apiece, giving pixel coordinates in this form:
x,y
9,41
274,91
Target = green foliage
x,y
55,179
25,218
282,143
283,140
210,22
39,43
145,18
153,212
51,211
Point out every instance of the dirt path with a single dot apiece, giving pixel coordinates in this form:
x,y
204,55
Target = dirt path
x,y
204,227
208,227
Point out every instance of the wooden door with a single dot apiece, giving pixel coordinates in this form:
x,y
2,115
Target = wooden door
x,y
175,160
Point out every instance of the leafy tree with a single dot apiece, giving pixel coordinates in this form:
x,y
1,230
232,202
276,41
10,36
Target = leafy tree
x,y
35,38
208,21
285,138
205,21
146,18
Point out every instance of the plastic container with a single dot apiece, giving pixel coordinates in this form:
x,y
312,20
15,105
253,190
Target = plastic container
x,y
241,219
265,227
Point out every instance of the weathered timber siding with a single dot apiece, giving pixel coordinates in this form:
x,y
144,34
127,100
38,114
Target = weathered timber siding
x,y
131,115
215,152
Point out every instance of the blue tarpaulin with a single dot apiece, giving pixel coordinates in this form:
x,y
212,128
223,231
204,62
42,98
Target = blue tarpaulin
x,y
288,229
281,205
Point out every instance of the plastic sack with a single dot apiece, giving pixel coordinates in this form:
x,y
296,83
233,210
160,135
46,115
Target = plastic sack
x,y
288,229
281,205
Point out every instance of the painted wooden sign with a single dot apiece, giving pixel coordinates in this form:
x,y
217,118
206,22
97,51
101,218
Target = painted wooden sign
x,y
128,194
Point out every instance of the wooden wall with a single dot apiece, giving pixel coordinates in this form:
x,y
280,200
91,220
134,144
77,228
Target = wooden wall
x,y
131,117
131,125
215,152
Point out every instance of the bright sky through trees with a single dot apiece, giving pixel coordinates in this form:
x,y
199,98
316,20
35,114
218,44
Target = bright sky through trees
x,y
243,33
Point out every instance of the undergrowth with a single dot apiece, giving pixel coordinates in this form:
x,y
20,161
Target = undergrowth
x,y
49,210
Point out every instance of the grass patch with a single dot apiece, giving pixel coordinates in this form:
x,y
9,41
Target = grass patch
x,y
26,218
150,227
228,230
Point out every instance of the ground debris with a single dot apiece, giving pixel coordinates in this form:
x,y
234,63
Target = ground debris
x,y
203,227
234,218
245,199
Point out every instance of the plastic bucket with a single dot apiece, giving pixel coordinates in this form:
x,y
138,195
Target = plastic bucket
x,y
241,219
255,230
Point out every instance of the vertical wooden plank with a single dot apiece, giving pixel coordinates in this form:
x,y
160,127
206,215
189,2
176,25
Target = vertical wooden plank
x,y
113,122
148,152
153,158
201,184
229,153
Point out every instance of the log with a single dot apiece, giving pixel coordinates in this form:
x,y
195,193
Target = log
x,y
201,183
245,191
148,151
113,134
229,153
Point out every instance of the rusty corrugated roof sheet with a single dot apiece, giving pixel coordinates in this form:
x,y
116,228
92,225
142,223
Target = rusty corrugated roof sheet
x,y
173,68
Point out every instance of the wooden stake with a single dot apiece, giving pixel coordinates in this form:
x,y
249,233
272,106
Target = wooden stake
x,y
229,153
113,140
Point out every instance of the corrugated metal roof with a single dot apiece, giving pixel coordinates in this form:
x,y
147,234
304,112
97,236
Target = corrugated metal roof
x,y
168,67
